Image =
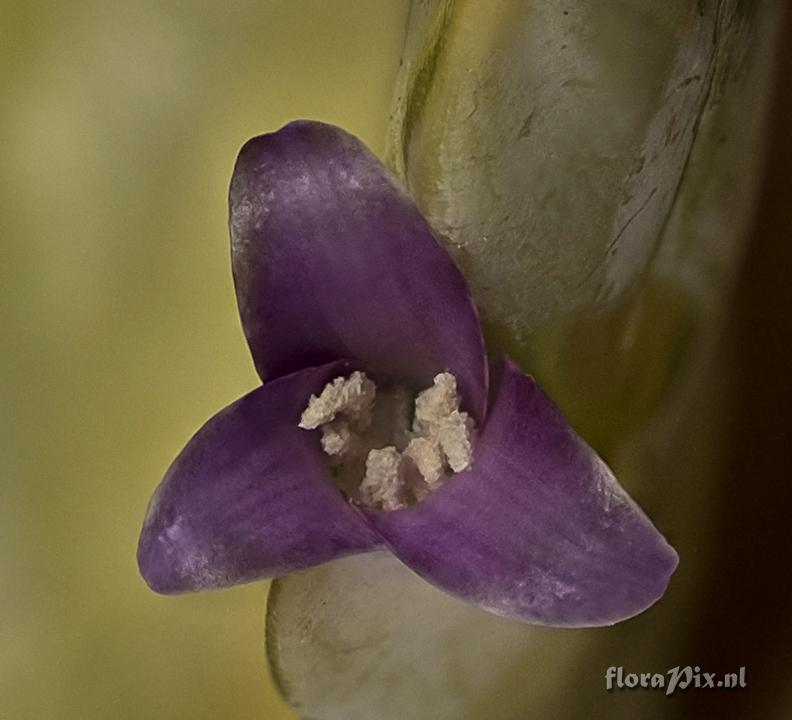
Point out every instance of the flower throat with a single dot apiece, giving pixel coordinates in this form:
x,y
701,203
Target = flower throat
x,y
389,449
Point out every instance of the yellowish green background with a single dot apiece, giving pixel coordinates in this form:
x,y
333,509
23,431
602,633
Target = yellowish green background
x,y
119,126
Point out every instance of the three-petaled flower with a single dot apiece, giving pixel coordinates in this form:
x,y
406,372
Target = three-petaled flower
x,y
336,271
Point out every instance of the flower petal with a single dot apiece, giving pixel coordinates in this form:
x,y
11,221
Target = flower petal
x,y
537,529
249,496
331,259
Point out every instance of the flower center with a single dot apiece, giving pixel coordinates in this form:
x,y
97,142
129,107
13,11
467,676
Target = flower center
x,y
389,449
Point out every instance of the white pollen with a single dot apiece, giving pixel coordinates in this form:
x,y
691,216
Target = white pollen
x,y
427,458
414,462
384,482
352,397
439,419
435,404
336,437
456,440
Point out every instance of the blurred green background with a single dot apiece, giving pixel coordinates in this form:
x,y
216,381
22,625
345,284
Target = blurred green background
x,y
120,123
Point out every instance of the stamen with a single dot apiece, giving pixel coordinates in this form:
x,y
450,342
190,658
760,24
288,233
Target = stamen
x,y
439,419
384,482
455,435
434,405
336,438
353,397
399,465
427,458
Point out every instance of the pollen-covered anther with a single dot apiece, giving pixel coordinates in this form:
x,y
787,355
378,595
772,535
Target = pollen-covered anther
x,y
428,459
435,404
352,397
439,420
456,440
337,439
399,462
384,483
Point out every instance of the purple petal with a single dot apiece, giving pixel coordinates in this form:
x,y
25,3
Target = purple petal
x,y
537,529
250,496
332,260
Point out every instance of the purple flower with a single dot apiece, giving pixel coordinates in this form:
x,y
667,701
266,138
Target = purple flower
x,y
336,271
